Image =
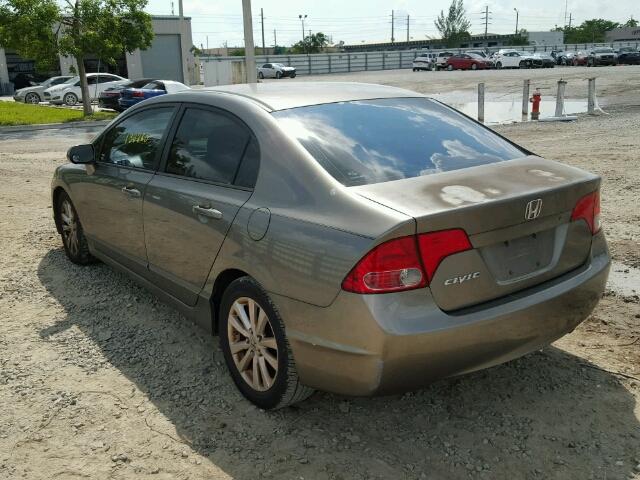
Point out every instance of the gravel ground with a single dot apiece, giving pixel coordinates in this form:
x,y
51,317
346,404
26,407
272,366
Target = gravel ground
x,y
100,380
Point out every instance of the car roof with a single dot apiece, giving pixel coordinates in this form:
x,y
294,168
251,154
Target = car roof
x,y
284,95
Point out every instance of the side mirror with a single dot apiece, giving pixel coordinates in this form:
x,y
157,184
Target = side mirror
x,y
81,154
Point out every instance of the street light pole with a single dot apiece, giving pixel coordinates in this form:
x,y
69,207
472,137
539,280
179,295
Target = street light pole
x,y
517,15
302,17
249,49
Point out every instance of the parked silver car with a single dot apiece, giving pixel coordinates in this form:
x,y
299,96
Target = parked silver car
x,y
276,70
35,93
354,238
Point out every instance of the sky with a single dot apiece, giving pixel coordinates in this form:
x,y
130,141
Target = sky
x,y
355,21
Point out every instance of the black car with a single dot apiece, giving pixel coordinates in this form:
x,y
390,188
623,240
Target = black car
x,y
628,56
109,98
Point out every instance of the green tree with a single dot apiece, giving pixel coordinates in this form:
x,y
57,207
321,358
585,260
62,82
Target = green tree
x,y
42,29
312,43
590,31
632,22
521,38
454,26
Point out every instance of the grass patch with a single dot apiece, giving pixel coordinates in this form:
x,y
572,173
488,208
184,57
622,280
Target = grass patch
x,y
13,113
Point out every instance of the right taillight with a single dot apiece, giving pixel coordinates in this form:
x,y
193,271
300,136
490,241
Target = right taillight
x,y
588,209
404,263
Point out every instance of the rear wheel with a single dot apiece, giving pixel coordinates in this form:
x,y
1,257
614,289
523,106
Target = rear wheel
x,y
32,98
474,66
449,67
499,65
256,349
73,239
260,75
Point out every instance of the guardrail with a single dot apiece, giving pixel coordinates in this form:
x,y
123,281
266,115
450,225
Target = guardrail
x,y
322,63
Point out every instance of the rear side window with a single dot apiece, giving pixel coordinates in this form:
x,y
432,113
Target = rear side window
x,y
211,146
373,141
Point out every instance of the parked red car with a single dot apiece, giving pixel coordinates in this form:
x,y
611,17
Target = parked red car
x,y
580,59
467,61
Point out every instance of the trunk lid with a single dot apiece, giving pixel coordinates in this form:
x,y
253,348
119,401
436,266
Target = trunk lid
x,y
517,215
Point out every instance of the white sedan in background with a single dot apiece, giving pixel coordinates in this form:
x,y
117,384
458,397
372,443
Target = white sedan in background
x,y
276,70
69,93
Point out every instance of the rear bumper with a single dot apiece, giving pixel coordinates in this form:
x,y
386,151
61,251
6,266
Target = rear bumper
x,y
378,344
128,102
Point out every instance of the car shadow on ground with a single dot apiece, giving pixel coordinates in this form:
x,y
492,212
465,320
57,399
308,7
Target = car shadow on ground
x,y
547,415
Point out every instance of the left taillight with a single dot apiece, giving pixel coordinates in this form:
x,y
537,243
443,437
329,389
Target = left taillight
x,y
404,263
137,94
588,209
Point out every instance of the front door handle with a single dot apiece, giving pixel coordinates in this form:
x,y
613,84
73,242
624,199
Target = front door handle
x,y
207,212
131,192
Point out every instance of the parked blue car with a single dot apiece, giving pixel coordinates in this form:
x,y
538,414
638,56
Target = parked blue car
x,y
131,96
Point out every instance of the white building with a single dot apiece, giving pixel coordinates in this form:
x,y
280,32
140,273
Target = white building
x,y
549,39
169,57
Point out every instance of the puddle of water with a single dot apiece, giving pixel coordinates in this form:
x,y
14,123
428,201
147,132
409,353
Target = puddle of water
x,y
624,280
505,108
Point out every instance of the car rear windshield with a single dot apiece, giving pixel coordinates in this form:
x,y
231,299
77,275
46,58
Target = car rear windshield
x,y
372,141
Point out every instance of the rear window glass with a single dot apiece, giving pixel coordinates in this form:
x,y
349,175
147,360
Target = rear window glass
x,y
373,141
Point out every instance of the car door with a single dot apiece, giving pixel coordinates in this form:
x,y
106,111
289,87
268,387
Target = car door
x,y
193,199
110,197
513,59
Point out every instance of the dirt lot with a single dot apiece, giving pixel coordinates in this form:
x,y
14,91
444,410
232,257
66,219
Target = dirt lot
x,y
100,380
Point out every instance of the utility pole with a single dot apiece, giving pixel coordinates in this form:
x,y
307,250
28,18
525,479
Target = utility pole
x,y
407,28
172,11
570,20
262,21
486,20
566,5
302,17
517,15
184,48
275,40
249,49
207,42
392,25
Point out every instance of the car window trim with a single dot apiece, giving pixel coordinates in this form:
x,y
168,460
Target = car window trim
x,y
161,170
163,139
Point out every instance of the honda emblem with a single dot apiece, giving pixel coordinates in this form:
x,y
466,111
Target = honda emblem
x,y
533,210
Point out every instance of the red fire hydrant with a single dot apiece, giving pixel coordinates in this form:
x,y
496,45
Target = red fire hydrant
x,y
535,100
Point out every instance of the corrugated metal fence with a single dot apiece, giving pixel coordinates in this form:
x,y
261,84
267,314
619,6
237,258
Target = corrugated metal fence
x,y
320,63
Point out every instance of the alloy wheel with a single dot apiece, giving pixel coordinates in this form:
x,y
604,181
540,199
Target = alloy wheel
x,y
69,227
32,98
252,343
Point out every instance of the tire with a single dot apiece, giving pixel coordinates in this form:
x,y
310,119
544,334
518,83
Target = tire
x,y
260,75
499,66
589,63
73,239
522,64
268,344
293,75
450,67
278,75
415,69
32,98
70,99
474,66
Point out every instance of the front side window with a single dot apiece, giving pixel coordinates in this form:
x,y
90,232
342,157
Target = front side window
x,y
372,141
210,146
135,142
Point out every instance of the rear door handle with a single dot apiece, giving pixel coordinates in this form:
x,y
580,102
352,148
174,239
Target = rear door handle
x,y
131,192
207,212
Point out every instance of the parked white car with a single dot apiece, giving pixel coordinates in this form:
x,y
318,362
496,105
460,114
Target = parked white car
x,y
276,70
441,60
425,61
506,58
69,93
35,93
